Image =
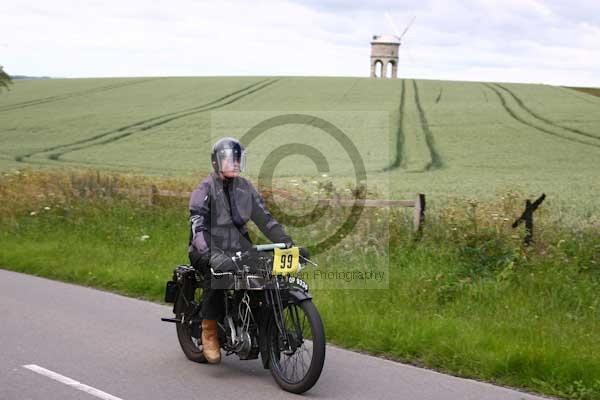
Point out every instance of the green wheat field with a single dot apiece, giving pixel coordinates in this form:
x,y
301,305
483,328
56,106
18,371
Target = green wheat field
x,y
464,296
445,139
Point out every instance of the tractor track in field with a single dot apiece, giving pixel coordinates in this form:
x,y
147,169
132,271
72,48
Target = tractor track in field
x,y
436,161
400,133
484,94
126,127
5,156
256,89
99,165
56,156
439,96
516,117
149,123
542,118
66,96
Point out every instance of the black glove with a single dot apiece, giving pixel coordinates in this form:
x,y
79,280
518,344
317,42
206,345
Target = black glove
x,y
198,261
220,262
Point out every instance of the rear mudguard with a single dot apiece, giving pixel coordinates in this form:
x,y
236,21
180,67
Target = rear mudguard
x,y
295,296
184,276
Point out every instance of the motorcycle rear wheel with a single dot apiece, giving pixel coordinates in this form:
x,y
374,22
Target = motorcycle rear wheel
x,y
189,327
297,361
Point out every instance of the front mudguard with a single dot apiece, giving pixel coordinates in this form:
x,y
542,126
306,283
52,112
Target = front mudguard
x,y
298,295
295,296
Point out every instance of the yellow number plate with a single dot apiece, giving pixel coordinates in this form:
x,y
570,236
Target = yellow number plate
x,y
286,261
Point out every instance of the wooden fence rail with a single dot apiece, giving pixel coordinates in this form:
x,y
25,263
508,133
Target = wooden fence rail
x,y
418,203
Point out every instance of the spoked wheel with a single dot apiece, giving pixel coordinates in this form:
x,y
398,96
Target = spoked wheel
x,y
189,331
297,356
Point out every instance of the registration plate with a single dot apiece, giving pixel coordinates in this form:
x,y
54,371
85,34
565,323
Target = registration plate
x,y
298,282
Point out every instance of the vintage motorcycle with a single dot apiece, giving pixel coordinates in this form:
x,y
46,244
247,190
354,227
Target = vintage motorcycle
x,y
268,311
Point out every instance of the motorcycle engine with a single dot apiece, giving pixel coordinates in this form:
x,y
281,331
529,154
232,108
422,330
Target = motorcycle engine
x,y
244,346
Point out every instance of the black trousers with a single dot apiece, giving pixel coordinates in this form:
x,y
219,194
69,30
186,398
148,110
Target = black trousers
x,y
213,300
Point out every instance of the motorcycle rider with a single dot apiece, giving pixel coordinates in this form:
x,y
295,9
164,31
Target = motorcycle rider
x,y
220,207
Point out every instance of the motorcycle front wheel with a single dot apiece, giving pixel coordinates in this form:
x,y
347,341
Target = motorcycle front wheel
x,y
297,355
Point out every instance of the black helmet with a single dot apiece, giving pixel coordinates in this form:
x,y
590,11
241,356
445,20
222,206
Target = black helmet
x,y
228,149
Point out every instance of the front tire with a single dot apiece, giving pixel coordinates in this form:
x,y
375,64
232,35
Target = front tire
x,y
297,359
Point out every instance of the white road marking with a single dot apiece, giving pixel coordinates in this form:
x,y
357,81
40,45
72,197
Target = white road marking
x,y
71,382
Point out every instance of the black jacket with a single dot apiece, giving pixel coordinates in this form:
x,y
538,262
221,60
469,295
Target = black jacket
x,y
219,211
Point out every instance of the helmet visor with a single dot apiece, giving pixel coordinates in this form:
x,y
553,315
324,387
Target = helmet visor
x,y
231,160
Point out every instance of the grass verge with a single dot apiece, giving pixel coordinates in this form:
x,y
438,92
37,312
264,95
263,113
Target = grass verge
x,y
466,298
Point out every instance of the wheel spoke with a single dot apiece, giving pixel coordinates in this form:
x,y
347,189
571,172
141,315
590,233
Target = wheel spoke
x,y
287,363
301,325
302,362
295,366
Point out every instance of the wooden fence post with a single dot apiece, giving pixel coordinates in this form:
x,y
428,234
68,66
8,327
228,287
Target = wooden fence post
x,y
419,213
153,195
527,216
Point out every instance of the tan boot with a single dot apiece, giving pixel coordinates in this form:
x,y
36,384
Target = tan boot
x,y
210,341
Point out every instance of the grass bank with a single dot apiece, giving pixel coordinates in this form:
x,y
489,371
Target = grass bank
x,y
466,298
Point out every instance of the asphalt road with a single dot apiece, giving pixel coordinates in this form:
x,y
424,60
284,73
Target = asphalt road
x,y
119,346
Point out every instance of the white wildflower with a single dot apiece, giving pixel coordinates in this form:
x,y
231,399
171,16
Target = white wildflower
x,y
32,213
144,238
46,208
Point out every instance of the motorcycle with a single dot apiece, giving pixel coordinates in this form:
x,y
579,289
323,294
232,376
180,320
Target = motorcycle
x,y
268,312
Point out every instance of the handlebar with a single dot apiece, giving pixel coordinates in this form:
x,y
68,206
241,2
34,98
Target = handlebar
x,y
269,247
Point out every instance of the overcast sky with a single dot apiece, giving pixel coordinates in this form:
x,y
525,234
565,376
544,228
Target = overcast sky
x,y
555,42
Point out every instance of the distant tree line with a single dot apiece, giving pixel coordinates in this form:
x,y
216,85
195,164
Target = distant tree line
x,y
17,77
4,79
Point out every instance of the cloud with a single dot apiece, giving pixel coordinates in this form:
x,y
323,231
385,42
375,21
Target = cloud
x,y
515,40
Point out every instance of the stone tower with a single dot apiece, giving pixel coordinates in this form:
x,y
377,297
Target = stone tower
x,y
384,51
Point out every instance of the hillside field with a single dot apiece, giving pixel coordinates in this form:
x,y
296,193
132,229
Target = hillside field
x,y
463,296
446,139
